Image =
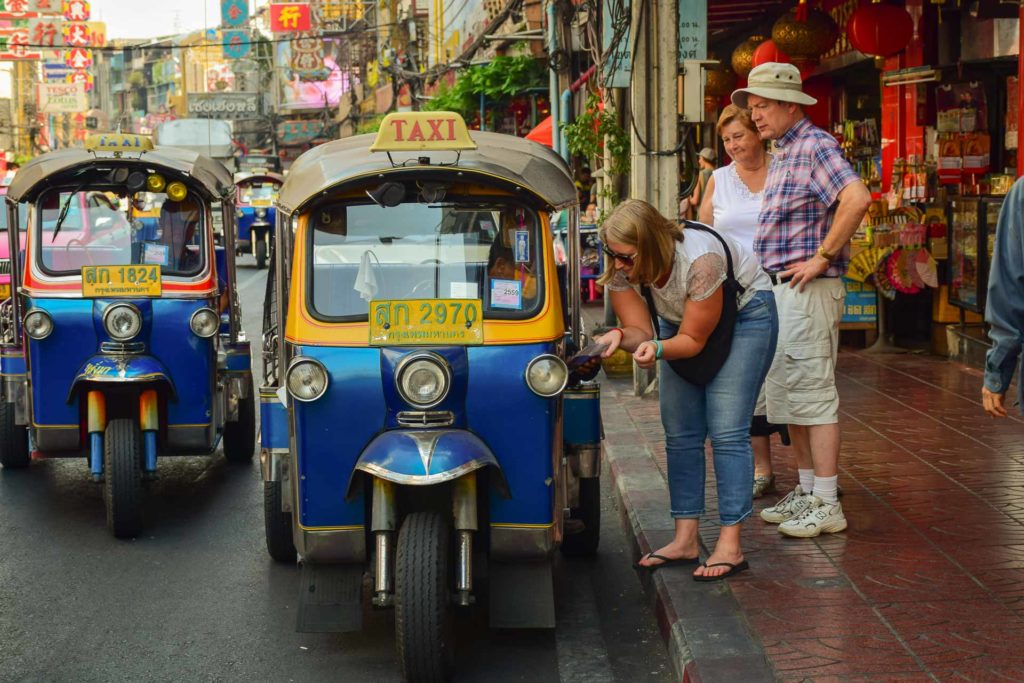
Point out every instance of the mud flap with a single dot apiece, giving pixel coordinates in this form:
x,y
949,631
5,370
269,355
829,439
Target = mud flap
x,y
330,598
521,595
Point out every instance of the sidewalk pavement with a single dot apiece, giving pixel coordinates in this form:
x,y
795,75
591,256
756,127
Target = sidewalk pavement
x,y
926,584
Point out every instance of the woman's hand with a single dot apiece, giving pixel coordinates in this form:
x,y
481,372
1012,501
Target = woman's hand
x,y
993,402
613,338
646,354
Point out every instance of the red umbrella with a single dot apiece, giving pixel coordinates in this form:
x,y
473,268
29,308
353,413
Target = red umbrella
x,y
542,133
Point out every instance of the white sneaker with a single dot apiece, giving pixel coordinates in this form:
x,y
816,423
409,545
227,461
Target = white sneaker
x,y
789,507
819,517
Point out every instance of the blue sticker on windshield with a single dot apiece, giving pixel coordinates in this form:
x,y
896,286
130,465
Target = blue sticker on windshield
x,y
156,253
522,246
507,294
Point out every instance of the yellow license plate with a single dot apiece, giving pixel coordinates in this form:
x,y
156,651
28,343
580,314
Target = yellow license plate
x,y
115,281
426,322
5,292
262,202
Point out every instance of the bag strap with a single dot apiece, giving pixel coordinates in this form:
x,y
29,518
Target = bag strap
x,y
694,225
649,298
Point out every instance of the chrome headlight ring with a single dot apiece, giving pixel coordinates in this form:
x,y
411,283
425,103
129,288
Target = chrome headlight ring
x,y
37,324
423,379
547,375
122,321
306,379
204,323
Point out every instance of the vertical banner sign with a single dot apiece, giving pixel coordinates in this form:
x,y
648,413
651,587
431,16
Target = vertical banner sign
x,y
290,17
76,34
46,6
234,13
77,10
78,58
97,33
693,29
618,64
46,32
17,7
237,44
308,58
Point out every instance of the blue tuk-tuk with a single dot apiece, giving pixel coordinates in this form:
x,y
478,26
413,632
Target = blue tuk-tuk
x,y
255,214
419,421
122,339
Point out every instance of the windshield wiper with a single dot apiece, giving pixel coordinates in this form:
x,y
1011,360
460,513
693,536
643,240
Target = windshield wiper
x,y
64,209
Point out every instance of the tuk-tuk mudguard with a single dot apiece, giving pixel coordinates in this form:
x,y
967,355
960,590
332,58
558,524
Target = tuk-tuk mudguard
x,y
56,362
424,457
109,369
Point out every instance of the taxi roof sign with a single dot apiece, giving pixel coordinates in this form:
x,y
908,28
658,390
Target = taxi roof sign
x,y
118,143
417,131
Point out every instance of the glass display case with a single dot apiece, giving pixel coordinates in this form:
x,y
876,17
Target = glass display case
x,y
972,236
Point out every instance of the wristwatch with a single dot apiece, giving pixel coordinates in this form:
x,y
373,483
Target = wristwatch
x,y
824,254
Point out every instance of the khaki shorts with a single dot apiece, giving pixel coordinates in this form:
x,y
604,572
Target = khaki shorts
x,y
761,407
801,384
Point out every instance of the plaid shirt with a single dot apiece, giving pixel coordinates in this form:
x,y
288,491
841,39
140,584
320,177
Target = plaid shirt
x,y
806,175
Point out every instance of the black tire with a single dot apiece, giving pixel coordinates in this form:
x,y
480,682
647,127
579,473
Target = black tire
x,y
261,254
424,629
14,452
584,543
122,477
240,436
277,524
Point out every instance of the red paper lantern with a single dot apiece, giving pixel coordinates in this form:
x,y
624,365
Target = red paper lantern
x,y
768,51
879,29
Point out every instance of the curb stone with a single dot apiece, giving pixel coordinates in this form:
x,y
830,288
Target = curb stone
x,y
707,635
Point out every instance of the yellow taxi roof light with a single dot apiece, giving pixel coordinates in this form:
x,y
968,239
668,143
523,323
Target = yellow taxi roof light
x,y
155,183
118,143
415,131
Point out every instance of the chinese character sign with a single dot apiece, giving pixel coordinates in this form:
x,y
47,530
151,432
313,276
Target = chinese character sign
x,y
236,44
45,32
234,13
77,10
45,6
76,34
290,17
78,58
308,58
15,6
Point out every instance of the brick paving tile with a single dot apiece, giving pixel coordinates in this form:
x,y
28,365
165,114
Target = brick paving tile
x,y
927,583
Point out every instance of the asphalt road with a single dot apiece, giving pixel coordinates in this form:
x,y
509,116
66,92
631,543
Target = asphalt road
x,y
197,598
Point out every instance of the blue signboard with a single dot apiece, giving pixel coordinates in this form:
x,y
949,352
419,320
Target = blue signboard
x,y
234,13
861,304
236,44
619,65
693,29
56,72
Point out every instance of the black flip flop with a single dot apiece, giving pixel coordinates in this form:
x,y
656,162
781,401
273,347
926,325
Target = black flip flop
x,y
667,561
733,569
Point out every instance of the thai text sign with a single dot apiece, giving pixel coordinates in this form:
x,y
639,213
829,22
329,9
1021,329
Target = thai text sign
x,y
62,98
693,29
224,105
290,17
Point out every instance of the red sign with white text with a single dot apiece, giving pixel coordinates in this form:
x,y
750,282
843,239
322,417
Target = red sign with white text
x,y
290,17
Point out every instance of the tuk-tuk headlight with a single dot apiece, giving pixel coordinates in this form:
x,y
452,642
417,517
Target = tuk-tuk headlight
x,y
547,375
122,321
307,379
204,323
38,324
261,213
423,380
239,213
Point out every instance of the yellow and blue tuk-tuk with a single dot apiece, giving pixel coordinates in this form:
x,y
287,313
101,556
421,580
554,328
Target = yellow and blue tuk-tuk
x,y
122,340
255,213
419,421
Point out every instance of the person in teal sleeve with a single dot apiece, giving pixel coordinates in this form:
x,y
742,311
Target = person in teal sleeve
x,y
1004,307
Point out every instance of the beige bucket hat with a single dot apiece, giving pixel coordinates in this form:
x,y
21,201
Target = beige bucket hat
x,y
773,81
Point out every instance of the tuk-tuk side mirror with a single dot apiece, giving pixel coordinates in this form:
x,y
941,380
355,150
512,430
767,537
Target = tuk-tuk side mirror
x,y
388,194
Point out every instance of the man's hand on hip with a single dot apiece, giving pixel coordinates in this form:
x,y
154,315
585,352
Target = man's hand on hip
x,y
805,271
993,402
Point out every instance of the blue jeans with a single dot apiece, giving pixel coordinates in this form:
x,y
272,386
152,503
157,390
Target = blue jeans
x,y
721,410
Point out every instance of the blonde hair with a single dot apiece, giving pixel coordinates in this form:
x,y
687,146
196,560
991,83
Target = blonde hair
x,y
731,114
638,224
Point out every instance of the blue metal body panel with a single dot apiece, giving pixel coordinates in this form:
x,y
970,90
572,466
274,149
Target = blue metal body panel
x,y
518,426
239,358
244,223
331,432
581,425
221,260
273,421
56,361
12,361
455,401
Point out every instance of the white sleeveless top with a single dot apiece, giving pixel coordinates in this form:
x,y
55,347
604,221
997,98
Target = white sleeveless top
x,y
736,208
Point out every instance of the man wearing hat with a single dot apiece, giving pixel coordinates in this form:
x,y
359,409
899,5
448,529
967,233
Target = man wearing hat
x,y
813,203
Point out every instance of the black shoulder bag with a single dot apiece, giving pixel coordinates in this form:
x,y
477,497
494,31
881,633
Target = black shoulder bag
x,y
703,367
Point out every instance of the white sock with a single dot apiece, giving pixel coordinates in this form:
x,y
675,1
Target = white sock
x,y
806,480
827,489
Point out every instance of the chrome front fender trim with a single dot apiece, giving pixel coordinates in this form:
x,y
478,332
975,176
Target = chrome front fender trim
x,y
331,545
522,542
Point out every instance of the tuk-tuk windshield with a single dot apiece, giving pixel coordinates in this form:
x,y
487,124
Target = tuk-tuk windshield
x,y
101,229
260,194
364,252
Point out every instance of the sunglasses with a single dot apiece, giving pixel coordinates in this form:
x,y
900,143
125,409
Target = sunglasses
x,y
627,259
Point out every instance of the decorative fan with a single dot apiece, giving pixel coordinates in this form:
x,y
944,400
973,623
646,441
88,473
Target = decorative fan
x,y
927,268
865,263
899,276
882,282
911,265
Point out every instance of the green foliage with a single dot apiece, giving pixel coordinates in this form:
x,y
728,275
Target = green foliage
x,y
595,128
501,78
370,125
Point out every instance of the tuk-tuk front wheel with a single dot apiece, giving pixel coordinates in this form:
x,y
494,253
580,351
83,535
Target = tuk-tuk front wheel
x,y
240,436
277,524
14,452
261,253
424,629
584,543
122,477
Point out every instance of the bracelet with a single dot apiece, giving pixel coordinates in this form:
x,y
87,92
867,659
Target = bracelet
x,y
621,332
658,349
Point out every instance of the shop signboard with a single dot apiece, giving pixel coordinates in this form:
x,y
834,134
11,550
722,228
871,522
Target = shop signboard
x,y
290,17
236,44
78,58
618,67
224,105
861,304
82,76
16,9
97,33
693,30
55,98
56,72
14,46
76,34
46,6
298,131
77,10
46,32
234,13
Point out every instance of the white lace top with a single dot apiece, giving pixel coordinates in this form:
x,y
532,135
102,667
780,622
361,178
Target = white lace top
x,y
736,208
697,271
